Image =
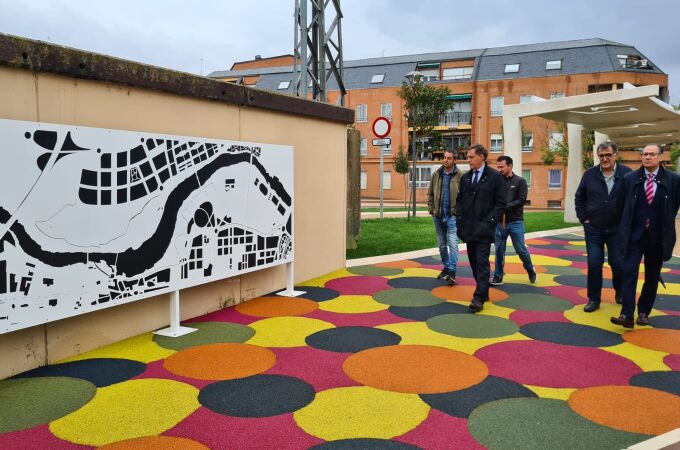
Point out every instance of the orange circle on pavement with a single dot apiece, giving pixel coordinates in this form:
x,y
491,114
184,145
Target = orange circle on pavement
x,y
225,361
518,269
628,408
415,369
607,295
276,306
663,340
537,242
463,293
404,264
156,442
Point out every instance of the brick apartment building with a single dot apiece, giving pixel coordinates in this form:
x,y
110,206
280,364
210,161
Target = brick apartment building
x,y
481,81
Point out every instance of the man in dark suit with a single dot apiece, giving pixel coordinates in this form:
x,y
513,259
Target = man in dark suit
x,y
596,209
650,201
480,204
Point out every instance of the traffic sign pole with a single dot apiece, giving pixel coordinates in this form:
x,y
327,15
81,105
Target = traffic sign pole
x,y
381,129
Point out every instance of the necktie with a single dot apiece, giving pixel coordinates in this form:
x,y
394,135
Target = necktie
x,y
475,177
649,188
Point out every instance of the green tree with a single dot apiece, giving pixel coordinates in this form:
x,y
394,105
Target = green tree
x,y
550,150
400,164
423,106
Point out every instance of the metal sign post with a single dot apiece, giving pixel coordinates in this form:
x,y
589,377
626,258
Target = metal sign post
x,y
381,129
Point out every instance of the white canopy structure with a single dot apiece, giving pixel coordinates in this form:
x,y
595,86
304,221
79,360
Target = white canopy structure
x,y
631,117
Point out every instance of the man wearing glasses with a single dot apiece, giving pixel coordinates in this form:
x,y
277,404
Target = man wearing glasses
x,y
596,208
650,200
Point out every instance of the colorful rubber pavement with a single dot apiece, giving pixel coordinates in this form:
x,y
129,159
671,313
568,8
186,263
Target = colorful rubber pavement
x,y
375,357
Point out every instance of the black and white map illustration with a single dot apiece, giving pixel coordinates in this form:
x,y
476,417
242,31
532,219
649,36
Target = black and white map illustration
x,y
92,218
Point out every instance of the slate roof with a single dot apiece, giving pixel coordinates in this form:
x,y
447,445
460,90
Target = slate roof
x,y
577,56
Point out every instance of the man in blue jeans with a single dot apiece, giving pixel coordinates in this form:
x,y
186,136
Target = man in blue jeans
x,y
512,223
596,208
441,203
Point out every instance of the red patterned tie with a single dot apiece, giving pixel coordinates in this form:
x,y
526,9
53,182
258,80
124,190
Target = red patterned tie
x,y
649,191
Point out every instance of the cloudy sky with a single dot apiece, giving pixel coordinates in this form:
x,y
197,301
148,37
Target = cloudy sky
x,y
207,35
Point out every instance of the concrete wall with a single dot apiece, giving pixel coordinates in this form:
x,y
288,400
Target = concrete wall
x,y
320,161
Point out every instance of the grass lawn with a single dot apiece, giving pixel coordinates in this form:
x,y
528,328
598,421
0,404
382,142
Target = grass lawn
x,y
387,236
391,209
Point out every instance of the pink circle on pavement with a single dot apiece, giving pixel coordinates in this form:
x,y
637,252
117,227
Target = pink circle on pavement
x,y
553,365
672,361
359,285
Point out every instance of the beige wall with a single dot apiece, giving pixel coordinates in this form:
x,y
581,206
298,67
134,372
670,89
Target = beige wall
x,y
320,197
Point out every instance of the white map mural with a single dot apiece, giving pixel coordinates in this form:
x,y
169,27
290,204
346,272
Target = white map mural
x,y
91,218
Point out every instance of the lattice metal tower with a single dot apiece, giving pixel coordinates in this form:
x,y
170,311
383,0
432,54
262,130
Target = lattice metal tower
x,y
318,50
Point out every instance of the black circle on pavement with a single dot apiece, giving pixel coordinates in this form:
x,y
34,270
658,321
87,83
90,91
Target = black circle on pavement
x,y
417,283
318,294
363,444
424,313
670,322
99,371
352,339
571,334
659,380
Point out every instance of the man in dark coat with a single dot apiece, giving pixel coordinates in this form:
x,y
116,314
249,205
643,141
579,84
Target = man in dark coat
x,y
596,209
481,203
650,201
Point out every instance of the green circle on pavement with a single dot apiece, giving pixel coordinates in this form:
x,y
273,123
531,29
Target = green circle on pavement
x,y
472,325
407,297
535,302
374,271
208,333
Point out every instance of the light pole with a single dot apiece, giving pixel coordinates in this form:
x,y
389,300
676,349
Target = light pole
x,y
414,77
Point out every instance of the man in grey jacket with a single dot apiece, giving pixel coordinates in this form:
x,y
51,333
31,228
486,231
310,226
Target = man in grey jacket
x,y
441,203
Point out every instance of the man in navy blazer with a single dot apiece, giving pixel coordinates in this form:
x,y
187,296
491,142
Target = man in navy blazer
x,y
480,204
650,201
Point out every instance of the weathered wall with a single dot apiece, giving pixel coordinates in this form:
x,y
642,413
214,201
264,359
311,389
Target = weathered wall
x,y
168,103
353,188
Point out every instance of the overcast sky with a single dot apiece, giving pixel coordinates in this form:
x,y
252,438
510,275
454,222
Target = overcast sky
x,y
207,35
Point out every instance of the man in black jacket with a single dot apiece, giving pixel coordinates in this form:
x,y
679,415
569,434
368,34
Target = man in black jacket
x,y
596,209
480,204
512,222
650,200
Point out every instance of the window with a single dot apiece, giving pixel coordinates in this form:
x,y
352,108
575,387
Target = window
x,y
377,78
423,175
497,106
364,179
511,68
555,179
386,110
556,138
526,174
553,65
283,85
554,204
554,95
496,142
362,113
430,74
526,99
387,180
363,148
527,142
457,73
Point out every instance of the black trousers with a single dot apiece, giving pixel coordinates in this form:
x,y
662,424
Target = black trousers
x,y
478,255
651,250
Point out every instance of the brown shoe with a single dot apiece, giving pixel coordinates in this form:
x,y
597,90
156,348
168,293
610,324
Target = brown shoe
x,y
476,305
642,320
623,321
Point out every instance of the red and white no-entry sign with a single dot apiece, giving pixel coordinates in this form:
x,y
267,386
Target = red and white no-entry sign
x,y
381,127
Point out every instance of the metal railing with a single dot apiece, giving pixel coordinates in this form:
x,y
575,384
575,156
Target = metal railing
x,y
455,118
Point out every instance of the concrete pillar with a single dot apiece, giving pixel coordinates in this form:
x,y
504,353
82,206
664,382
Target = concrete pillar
x,y
574,169
599,138
512,140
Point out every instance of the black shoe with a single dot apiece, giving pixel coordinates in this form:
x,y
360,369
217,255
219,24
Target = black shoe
x,y
442,275
591,306
496,281
623,321
532,277
451,278
476,305
643,319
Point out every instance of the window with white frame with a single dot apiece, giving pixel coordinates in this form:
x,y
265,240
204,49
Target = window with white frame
x,y
556,138
363,147
387,180
457,73
283,85
527,142
386,110
511,68
554,95
362,113
496,142
526,174
497,106
364,179
423,176
555,179
429,74
527,98
553,65
377,78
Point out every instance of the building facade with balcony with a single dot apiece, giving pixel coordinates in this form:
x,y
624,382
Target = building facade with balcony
x,y
481,82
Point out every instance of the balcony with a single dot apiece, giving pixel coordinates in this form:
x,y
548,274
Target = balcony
x,y
453,119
